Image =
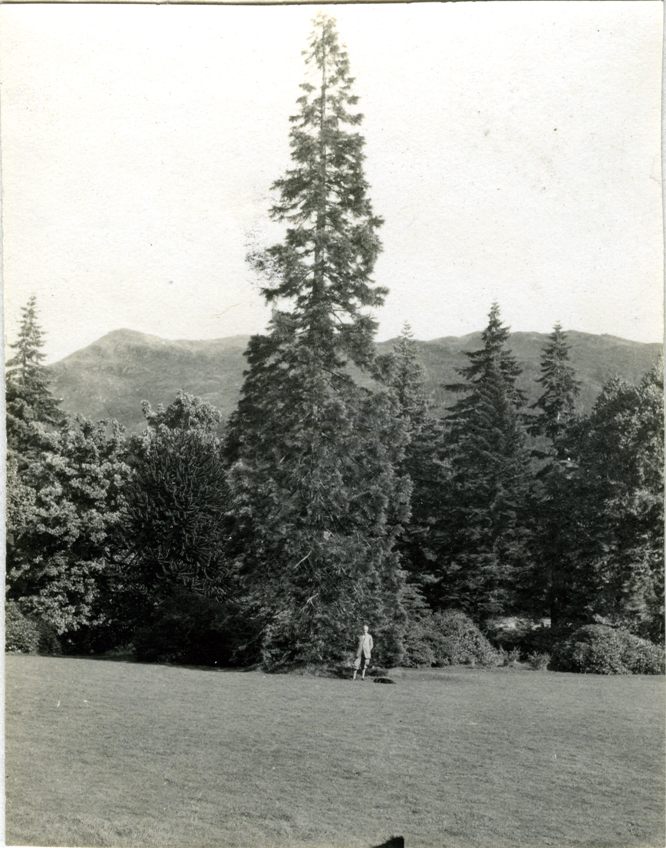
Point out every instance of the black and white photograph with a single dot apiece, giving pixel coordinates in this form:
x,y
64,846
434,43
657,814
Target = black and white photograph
x,y
334,424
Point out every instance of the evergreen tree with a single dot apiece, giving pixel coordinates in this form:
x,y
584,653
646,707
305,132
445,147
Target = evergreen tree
x,y
406,378
615,541
323,266
484,555
318,499
492,363
552,517
557,404
31,408
423,462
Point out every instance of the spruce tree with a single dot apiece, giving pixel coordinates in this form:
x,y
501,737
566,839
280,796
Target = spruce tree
x,y
407,381
557,404
31,408
324,264
552,516
423,461
318,498
483,539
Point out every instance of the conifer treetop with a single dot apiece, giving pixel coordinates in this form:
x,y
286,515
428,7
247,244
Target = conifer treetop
x,y
407,378
493,360
28,392
28,346
321,272
557,403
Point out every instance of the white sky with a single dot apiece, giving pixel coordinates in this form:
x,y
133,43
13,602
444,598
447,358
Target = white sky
x,y
513,150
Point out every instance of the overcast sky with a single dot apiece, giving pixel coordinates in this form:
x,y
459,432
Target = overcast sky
x,y
512,148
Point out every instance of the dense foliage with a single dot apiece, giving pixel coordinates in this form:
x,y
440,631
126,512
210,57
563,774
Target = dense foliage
x,y
324,504
62,533
459,641
315,458
598,649
480,527
177,502
21,632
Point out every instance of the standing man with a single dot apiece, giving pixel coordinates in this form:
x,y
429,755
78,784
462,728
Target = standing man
x,y
363,653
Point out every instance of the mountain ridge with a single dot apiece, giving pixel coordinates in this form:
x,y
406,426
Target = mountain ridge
x,y
111,376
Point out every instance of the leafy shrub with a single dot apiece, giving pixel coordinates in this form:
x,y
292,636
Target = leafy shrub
x,y
598,649
21,632
643,657
419,651
538,661
457,640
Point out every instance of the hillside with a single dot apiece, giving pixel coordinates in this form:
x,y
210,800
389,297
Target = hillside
x,y
110,378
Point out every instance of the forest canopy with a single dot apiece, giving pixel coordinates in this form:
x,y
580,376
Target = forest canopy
x,y
336,494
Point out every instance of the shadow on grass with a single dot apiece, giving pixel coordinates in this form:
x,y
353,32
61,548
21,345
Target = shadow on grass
x,y
130,659
397,675
394,842
448,674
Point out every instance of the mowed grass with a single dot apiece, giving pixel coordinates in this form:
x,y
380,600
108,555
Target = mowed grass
x,y
110,753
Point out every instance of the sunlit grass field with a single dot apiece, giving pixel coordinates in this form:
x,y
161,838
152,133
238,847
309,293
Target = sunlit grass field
x,y
112,753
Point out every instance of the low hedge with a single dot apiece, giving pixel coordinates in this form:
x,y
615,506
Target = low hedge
x,y
599,649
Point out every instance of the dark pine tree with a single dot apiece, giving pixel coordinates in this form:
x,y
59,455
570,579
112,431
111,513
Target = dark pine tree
x,y
556,405
484,555
552,517
31,408
318,499
406,378
423,462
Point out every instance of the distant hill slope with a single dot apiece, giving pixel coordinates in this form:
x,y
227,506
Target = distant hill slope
x,y
110,378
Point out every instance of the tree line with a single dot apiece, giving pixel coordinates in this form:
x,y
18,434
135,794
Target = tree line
x,y
322,504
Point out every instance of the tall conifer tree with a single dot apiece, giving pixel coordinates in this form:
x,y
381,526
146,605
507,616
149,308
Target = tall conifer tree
x,y
318,498
406,379
553,519
483,539
423,462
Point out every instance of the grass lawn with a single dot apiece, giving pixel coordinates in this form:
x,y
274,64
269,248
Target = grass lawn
x,y
112,753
